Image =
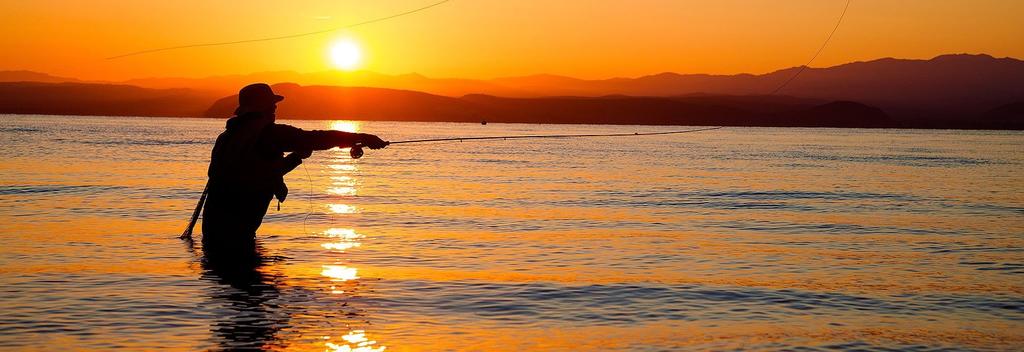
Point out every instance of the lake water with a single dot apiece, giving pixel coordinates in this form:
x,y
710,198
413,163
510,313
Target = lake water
x,y
739,238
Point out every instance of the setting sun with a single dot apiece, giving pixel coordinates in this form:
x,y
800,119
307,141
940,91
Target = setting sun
x,y
346,54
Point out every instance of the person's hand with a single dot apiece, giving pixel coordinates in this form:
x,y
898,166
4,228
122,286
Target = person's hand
x,y
371,141
302,154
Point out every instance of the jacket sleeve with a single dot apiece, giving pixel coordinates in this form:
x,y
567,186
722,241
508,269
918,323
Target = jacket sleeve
x,y
288,163
285,138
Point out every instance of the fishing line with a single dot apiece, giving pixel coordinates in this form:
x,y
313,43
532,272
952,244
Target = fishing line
x,y
356,151
265,39
309,199
820,49
460,139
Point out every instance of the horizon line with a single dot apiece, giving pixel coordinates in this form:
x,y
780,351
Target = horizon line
x,y
343,73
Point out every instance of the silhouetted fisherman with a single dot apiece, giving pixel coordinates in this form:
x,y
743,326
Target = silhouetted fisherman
x,y
248,165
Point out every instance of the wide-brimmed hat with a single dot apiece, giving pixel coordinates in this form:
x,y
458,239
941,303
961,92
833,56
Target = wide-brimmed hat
x,y
257,94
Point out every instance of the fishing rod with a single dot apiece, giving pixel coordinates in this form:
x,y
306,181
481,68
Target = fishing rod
x,y
356,151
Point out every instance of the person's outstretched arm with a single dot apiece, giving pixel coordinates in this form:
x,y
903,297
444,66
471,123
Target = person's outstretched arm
x,y
292,161
284,138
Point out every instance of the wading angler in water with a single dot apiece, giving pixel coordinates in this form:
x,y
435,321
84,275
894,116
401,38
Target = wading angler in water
x,y
248,165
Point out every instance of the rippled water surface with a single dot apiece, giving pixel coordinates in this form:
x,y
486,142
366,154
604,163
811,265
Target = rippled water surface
x,y
739,238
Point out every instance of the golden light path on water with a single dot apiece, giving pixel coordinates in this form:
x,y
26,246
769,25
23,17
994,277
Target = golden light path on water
x,y
342,191
342,208
346,238
339,240
358,339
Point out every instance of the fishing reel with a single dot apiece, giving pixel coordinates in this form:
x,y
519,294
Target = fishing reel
x,y
356,151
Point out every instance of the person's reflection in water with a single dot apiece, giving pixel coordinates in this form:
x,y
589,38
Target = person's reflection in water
x,y
247,295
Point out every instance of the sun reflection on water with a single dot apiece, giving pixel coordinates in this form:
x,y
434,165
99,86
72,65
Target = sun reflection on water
x,y
339,246
344,125
343,239
339,272
355,341
347,238
348,234
342,208
342,191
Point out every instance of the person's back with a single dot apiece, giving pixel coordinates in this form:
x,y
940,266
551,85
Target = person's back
x,y
247,167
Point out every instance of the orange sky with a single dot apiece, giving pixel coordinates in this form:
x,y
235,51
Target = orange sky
x,y
495,38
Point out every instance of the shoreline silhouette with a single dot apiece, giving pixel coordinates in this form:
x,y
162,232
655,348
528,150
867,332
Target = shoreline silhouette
x,y
949,91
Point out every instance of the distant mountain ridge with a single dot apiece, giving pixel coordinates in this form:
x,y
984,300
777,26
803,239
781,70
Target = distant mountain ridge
x,y
945,86
362,103
100,99
32,76
958,90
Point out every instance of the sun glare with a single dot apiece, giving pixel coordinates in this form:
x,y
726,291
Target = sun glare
x,y
346,54
343,125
